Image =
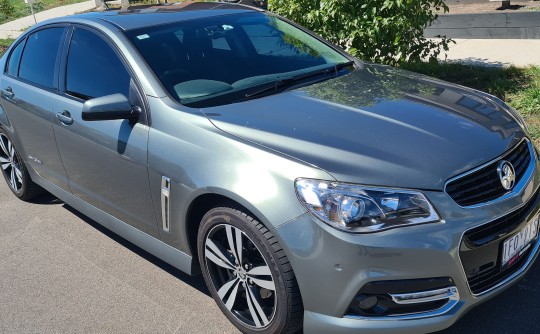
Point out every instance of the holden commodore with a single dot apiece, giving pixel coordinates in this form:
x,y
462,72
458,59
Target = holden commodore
x,y
310,189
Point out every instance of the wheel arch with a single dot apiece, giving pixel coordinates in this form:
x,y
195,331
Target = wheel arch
x,y
4,120
207,201
292,294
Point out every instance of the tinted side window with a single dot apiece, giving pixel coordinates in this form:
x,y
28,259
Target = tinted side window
x,y
15,60
39,56
93,68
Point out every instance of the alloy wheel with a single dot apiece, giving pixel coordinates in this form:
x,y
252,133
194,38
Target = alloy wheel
x,y
10,164
241,276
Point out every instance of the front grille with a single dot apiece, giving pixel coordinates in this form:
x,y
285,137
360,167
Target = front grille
x,y
488,279
483,185
481,248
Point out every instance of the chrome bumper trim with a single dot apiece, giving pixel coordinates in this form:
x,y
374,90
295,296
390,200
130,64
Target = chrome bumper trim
x,y
426,296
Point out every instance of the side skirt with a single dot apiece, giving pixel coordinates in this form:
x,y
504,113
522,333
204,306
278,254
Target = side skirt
x,y
159,249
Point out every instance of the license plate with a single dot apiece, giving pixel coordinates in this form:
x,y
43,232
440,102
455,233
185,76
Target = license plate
x,y
515,246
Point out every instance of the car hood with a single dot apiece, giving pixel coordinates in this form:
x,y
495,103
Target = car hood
x,y
378,126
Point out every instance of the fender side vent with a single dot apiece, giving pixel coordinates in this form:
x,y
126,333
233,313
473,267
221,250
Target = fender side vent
x,y
165,202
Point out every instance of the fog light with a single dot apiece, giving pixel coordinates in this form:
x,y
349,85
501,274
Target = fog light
x,y
404,298
364,303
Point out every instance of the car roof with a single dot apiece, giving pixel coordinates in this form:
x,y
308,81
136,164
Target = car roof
x,y
163,14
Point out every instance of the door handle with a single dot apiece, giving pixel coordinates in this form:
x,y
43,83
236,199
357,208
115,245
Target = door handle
x,y
8,93
65,117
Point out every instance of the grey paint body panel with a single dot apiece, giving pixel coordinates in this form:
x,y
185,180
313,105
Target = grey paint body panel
x,y
179,147
331,125
31,111
429,250
150,244
112,174
376,126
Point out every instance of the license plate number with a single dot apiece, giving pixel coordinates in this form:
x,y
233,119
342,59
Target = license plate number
x,y
515,246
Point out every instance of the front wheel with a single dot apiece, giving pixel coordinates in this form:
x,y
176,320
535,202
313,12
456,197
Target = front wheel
x,y
248,273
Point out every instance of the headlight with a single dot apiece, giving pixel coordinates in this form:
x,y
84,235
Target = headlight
x,y
359,209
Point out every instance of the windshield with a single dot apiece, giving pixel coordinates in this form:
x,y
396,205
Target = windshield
x,y
226,59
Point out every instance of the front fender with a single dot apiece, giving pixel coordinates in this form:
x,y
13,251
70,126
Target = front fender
x,y
201,159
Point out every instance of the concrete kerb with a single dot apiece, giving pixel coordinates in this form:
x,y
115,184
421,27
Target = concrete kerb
x,y
510,25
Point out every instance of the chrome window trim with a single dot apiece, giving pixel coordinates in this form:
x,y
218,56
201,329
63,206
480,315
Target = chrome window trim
x,y
518,188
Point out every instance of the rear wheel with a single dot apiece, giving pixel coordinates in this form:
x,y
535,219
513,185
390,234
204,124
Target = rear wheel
x,y
15,172
248,273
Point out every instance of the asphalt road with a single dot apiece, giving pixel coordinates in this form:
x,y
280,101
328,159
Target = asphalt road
x,y
61,272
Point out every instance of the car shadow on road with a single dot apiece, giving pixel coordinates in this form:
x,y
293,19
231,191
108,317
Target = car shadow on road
x,y
196,282
46,199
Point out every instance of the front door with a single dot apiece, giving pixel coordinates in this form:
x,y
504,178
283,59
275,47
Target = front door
x,y
106,161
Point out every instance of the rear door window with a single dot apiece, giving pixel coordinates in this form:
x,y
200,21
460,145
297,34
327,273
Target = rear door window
x,y
15,60
39,56
93,68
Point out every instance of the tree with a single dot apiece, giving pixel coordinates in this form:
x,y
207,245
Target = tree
x,y
7,10
386,31
100,4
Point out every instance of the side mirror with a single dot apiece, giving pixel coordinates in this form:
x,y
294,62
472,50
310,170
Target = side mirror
x,y
115,106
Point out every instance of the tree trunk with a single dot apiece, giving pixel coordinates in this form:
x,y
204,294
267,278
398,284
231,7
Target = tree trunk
x,y
100,4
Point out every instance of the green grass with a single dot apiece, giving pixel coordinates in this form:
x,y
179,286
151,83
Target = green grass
x,y
48,4
13,9
4,44
518,86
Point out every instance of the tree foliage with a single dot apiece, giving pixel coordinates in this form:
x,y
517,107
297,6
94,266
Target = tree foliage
x,y
7,10
386,31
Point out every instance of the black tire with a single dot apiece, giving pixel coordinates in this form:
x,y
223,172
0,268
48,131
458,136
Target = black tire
x,y
282,306
15,172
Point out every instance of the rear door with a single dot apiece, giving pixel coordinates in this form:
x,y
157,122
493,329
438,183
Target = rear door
x,y
29,87
106,161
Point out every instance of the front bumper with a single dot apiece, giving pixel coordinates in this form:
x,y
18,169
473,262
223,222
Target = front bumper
x,y
332,266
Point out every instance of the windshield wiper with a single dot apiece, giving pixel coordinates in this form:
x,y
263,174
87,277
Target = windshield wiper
x,y
286,82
